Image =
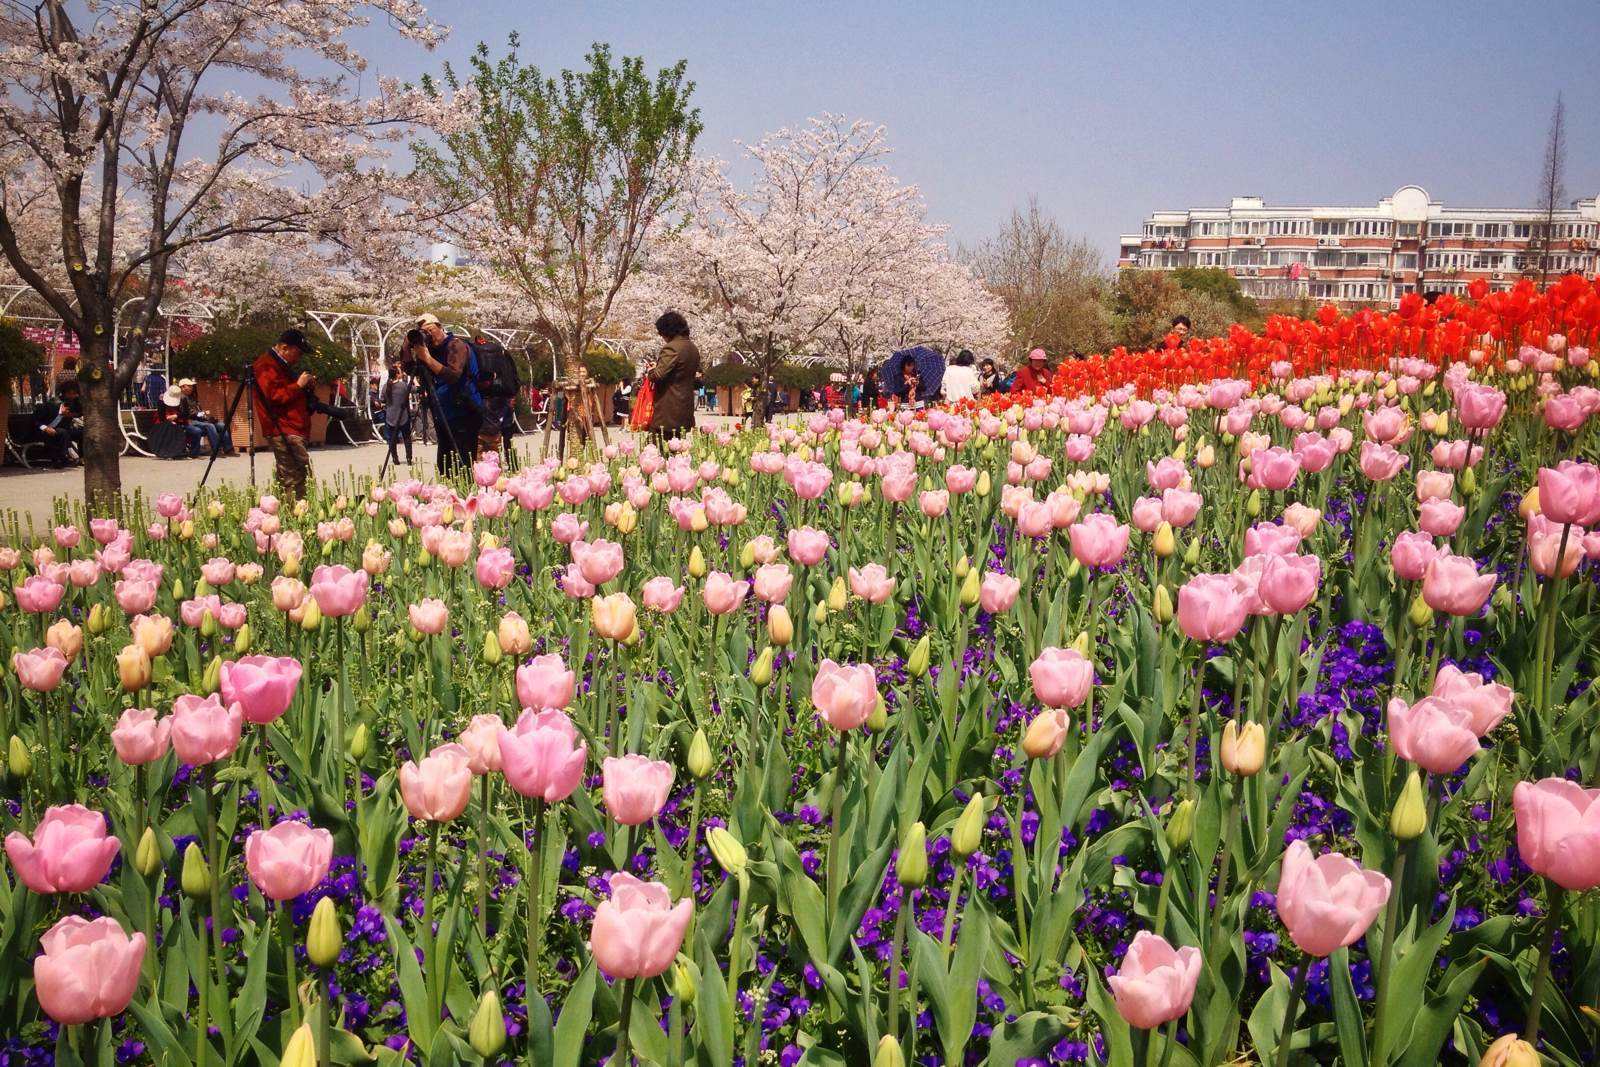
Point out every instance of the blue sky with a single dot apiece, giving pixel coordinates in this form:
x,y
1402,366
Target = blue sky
x,y
1108,111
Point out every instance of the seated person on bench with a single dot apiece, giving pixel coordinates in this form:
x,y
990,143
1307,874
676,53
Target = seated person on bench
x,y
198,427
61,422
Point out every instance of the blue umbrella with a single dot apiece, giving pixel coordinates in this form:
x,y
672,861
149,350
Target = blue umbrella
x,y
930,370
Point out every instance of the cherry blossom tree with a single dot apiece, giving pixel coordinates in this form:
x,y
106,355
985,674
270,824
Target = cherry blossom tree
x,y
121,137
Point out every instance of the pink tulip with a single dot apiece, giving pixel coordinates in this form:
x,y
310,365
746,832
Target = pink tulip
x,y
1034,519
40,595
723,595
1305,520
567,528
495,568
1145,515
217,571
1211,608
1098,540
998,592
1156,982
600,561
438,787
844,695
1272,539
89,969
635,787
872,583
1486,703
1558,831
808,546
960,479
481,739
262,686
1453,585
1480,407
1554,551
338,590
659,594
637,931
1411,554
1166,473
543,757
1272,469
1435,734
1381,462
1327,902
1385,425
772,582
70,851
430,616
1569,493
1180,506
544,682
67,536
933,503
288,860
203,731
1435,485
134,596
41,669
574,584
1441,516
1289,583
1061,677
140,738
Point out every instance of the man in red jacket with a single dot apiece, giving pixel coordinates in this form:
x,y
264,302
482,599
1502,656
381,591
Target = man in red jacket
x,y
283,411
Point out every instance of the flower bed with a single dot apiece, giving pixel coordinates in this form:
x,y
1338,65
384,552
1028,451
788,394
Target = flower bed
x,y
1231,704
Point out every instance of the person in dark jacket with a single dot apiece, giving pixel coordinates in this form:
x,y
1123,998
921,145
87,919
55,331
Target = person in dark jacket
x,y
453,366
871,389
674,376
60,422
395,398
499,384
283,409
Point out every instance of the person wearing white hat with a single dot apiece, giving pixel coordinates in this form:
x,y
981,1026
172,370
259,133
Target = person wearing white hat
x,y
452,365
198,426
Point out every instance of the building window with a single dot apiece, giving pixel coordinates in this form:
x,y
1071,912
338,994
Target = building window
x,y
1406,261
1405,229
1329,228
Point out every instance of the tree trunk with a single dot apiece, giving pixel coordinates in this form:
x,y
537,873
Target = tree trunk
x,y
758,410
102,438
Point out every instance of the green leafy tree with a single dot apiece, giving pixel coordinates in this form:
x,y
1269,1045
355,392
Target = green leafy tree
x,y
557,182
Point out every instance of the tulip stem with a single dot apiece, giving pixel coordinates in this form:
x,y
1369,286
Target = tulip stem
x,y
950,907
289,977
1161,902
1230,830
1297,990
534,890
1195,708
325,1033
1391,920
483,858
622,1056
432,938
1169,1041
1541,975
834,873
895,969
686,879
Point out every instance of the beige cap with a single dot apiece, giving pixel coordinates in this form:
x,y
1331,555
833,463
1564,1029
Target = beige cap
x,y
428,319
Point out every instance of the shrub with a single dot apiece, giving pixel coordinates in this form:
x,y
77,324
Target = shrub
x,y
607,368
728,375
226,352
18,355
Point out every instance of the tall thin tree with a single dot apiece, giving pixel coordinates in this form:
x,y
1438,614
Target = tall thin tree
x,y
1552,187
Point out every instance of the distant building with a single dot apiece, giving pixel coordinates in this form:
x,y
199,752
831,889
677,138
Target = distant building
x,y
1357,255
448,255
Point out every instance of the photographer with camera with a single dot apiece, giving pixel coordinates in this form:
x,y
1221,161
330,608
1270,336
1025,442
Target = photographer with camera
x,y
449,369
499,383
284,414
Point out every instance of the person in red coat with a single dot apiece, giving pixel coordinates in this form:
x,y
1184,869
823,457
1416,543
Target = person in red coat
x,y
283,409
1034,376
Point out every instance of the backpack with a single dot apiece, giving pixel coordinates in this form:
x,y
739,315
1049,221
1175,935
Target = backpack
x,y
460,398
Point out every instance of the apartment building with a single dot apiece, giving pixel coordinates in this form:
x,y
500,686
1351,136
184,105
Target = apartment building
x,y
1404,243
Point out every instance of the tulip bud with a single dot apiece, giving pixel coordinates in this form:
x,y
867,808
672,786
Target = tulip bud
x,y
1074,568
685,981
360,739
1529,506
1081,642
212,678
1180,824
780,628
97,620
971,589
208,624
1165,542
984,484
878,720
697,563
727,851
177,589
241,640
1161,608
917,662
324,939
133,668
147,856
361,621
423,557
1502,599
1511,1051
888,1054
291,566
761,669
968,834
313,615
19,761
1252,503
196,879
1469,481
1421,615
1244,748
963,565
487,1032
491,648
819,611
837,594
1191,555
911,866
301,1051
1410,815
699,758
202,588
747,556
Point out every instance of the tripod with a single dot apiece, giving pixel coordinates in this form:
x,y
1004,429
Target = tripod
x,y
246,392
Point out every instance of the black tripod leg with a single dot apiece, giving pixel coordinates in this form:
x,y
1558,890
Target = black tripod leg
x,y
227,421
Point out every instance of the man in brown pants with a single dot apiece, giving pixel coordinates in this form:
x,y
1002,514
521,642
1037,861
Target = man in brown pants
x,y
283,411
